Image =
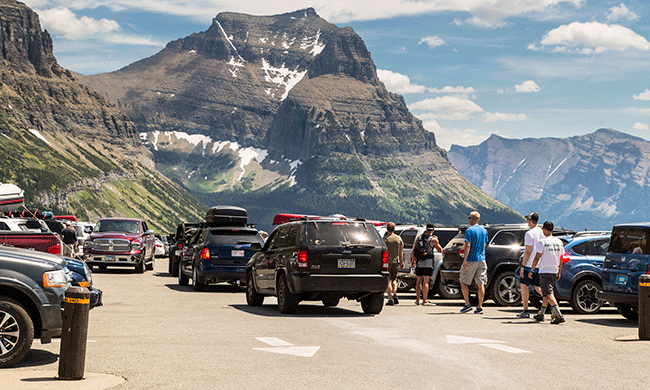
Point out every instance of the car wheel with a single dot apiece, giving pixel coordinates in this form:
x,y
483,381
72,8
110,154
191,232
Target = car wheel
x,y
174,264
373,303
628,311
402,286
182,279
331,302
287,302
253,298
197,285
505,291
16,332
139,268
447,292
170,265
584,299
151,264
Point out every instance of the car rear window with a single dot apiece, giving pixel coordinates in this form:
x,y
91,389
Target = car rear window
x,y
234,237
341,234
629,240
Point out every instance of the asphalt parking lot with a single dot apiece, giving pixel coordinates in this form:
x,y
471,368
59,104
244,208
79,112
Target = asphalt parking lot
x,y
152,333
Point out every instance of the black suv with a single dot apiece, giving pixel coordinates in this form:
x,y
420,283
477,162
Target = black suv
x,y
32,287
505,247
320,260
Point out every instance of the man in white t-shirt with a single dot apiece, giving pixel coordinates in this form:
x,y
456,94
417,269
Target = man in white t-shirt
x,y
547,254
532,237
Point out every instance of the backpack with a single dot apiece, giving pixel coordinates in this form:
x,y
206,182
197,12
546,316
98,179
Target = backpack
x,y
421,248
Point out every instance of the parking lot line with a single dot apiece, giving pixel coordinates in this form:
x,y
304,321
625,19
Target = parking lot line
x,y
274,341
505,348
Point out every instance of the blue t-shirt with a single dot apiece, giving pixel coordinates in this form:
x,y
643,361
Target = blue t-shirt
x,y
476,235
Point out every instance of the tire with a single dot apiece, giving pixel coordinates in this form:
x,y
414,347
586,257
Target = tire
x,y
331,302
253,298
16,332
139,268
403,286
151,265
174,264
628,311
170,265
447,292
287,302
504,290
584,299
182,279
197,285
373,303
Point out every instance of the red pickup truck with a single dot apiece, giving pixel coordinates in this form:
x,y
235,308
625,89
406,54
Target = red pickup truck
x,y
41,242
120,242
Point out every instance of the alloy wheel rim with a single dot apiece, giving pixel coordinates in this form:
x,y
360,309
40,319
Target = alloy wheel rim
x,y
9,333
508,290
587,298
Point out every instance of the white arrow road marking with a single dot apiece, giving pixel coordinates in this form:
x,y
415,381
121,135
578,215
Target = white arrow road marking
x,y
467,340
505,348
285,348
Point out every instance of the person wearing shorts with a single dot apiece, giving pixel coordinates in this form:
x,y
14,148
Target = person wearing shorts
x,y
547,254
424,267
395,261
474,267
533,235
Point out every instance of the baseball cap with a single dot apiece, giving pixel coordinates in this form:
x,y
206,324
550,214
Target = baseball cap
x,y
430,226
533,216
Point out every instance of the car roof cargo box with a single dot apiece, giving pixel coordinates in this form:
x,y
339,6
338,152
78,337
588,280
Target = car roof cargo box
x,y
226,216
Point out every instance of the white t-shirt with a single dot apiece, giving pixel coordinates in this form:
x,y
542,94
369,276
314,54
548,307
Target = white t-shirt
x,y
551,249
531,238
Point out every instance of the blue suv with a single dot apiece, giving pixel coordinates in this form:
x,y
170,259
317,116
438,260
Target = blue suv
x,y
628,258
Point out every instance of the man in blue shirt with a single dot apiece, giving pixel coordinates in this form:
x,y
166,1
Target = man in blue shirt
x,y
474,267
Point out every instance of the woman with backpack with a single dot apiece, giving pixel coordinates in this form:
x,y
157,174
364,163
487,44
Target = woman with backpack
x,y
422,260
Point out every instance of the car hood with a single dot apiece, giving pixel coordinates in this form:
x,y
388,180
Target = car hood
x,y
95,236
26,254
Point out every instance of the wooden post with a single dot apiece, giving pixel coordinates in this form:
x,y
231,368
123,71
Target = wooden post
x,y
644,307
72,356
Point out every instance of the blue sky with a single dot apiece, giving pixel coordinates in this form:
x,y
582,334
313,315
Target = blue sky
x,y
467,68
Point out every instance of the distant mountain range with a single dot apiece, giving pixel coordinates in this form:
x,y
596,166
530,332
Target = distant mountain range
x,y
68,149
585,182
286,113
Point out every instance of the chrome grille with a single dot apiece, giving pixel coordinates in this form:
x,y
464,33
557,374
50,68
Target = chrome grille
x,y
111,245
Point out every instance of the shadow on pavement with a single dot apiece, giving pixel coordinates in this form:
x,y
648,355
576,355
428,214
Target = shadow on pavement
x,y
37,357
212,288
303,311
614,322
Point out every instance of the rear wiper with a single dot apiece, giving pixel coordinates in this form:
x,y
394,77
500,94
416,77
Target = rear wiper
x,y
348,245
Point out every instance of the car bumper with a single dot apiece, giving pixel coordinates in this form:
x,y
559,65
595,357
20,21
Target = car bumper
x,y
450,278
96,298
52,322
614,298
112,259
216,274
339,283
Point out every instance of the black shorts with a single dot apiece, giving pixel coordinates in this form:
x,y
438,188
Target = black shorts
x,y
534,281
423,271
547,281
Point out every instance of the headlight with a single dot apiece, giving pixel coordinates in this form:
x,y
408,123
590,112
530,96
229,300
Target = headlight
x,y
88,243
136,245
57,278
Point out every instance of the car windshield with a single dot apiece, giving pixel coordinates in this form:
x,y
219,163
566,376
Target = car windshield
x,y
342,234
234,237
118,226
629,240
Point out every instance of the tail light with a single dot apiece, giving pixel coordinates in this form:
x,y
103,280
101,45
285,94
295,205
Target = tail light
x,y
565,258
647,267
302,259
384,260
205,254
461,253
54,249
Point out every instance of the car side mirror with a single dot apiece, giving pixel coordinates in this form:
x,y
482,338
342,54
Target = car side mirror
x,y
256,246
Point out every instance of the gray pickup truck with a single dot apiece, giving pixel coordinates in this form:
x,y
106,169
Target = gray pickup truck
x,y
32,287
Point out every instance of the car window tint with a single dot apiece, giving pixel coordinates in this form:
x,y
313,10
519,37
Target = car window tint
x,y
602,246
234,237
579,249
118,226
277,240
342,233
444,236
3,226
629,240
408,236
506,238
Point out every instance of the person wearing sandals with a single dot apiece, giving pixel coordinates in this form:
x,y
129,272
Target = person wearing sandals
x,y
424,267
474,267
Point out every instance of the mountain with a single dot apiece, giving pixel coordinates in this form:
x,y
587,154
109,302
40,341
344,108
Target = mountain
x,y
591,181
286,113
66,146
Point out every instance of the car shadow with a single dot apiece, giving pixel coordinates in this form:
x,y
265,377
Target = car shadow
x,y
613,322
304,310
37,357
217,288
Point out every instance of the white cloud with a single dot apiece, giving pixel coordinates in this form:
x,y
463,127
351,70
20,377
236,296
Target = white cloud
x,y
503,117
398,83
446,107
450,89
616,13
64,23
463,137
527,86
641,126
645,95
592,37
432,41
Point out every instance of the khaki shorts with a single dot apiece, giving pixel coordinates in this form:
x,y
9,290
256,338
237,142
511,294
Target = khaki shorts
x,y
392,271
476,271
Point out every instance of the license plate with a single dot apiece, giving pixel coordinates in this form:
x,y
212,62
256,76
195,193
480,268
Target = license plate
x,y
237,253
110,258
621,279
346,263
